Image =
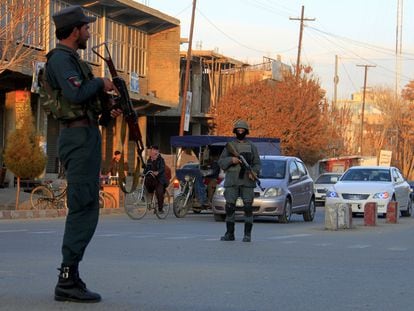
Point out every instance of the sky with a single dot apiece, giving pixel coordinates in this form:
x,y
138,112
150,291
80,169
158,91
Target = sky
x,y
360,32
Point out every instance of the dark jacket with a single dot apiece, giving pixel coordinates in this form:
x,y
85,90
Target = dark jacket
x,y
157,165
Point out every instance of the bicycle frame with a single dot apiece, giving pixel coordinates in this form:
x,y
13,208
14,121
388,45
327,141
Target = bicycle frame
x,y
141,203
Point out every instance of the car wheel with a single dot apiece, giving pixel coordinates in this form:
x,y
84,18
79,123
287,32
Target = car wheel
x,y
219,217
310,213
287,213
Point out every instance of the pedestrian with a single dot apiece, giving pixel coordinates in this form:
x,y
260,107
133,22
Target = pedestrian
x,y
156,181
115,165
79,144
239,182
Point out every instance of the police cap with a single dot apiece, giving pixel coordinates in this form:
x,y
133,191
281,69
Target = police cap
x,y
71,16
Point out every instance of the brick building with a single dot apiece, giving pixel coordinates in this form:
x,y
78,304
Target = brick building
x,y
144,44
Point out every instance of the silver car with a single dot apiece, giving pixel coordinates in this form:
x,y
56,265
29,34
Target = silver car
x,y
288,189
323,183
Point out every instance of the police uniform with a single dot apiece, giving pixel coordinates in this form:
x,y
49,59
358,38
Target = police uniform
x,y
237,182
79,151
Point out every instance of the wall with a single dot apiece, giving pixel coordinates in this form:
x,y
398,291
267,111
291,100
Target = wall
x,y
163,65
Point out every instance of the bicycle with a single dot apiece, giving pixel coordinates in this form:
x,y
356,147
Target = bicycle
x,y
49,196
140,201
106,200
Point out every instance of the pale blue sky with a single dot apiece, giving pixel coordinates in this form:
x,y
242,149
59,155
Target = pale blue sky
x,y
358,31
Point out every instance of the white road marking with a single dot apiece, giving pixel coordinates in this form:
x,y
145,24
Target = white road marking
x,y
282,237
109,235
398,249
179,237
12,231
323,244
360,246
42,232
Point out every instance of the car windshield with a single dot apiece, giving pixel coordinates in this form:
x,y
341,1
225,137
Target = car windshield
x,y
367,174
272,169
327,179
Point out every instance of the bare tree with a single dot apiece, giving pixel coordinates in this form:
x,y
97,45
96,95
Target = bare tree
x,y
395,132
19,26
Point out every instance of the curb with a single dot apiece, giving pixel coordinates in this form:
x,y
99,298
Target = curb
x,y
50,213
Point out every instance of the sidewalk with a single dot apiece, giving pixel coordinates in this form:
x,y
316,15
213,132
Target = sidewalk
x,y
8,209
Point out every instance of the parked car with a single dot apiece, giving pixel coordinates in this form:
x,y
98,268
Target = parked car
x,y
379,184
288,189
411,183
322,183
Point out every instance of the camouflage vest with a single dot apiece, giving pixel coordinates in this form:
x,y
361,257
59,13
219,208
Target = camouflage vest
x,y
53,102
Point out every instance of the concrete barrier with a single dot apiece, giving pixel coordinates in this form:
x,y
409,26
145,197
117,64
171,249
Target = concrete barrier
x,y
338,216
392,212
370,214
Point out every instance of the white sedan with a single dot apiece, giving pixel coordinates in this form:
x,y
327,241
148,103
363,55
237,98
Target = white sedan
x,y
379,184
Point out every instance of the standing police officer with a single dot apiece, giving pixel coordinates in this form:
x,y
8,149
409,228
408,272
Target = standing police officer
x,y
239,182
79,144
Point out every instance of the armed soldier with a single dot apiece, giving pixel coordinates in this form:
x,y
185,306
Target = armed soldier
x,y
77,107
240,179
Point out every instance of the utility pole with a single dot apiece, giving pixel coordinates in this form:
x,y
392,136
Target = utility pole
x,y
398,48
336,80
363,106
187,73
301,19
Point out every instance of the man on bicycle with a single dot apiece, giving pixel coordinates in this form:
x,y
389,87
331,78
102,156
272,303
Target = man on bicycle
x,y
156,181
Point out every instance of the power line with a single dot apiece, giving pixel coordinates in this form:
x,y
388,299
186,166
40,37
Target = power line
x,y
236,41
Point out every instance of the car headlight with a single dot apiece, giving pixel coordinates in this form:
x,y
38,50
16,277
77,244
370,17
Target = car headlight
x,y
273,192
381,195
332,194
220,191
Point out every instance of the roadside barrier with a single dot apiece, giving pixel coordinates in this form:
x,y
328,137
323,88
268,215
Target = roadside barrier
x,y
370,214
392,212
338,216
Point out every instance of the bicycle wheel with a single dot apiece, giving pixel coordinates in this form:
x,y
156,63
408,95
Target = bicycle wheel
x,y
110,201
136,204
61,202
180,209
166,207
101,199
41,198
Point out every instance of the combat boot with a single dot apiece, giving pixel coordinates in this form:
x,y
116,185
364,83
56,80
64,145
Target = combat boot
x,y
70,287
247,232
229,235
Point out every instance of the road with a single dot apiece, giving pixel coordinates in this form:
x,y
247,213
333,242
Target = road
x,y
180,265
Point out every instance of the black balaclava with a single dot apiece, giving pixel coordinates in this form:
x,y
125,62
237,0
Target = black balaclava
x,y
242,135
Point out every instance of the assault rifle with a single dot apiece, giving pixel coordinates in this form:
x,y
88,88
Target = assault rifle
x,y
123,102
230,148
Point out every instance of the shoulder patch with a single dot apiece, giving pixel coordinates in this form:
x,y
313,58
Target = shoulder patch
x,y
75,81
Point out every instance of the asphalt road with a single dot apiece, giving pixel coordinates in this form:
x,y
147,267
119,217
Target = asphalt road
x,y
180,264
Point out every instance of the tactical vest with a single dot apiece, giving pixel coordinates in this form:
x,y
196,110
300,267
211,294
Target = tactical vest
x,y
53,102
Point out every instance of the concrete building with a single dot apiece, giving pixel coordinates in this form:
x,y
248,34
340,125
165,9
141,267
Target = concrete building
x,y
145,47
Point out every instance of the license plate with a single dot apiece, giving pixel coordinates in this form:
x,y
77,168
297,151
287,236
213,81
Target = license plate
x,y
357,206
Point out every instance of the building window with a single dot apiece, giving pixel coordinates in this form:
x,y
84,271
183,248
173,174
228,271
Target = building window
x,y
138,41
95,31
117,43
23,21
